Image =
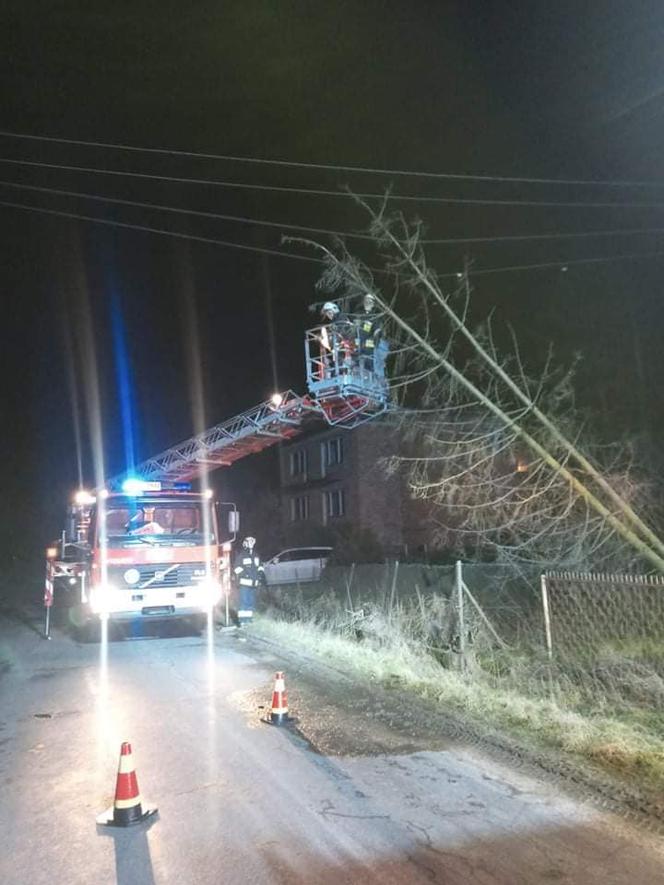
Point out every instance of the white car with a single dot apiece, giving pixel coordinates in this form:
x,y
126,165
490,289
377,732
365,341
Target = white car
x,y
299,565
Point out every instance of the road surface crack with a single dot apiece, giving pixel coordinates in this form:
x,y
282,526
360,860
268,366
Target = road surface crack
x,y
197,789
328,811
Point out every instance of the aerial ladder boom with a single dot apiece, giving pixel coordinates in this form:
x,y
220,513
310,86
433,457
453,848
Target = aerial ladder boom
x,y
341,394
277,419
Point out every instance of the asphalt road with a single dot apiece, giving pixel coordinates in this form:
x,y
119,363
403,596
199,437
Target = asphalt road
x,y
244,802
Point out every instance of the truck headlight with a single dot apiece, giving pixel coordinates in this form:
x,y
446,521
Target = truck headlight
x,y
211,591
101,597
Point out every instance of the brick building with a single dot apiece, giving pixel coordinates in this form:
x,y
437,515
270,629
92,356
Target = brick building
x,y
330,486
333,482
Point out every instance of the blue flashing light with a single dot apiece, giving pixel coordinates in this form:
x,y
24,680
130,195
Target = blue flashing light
x,y
182,486
124,381
133,486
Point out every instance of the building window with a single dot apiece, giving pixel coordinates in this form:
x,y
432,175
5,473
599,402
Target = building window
x,y
299,508
298,462
332,452
334,504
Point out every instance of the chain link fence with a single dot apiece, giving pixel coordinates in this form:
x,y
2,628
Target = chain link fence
x,y
605,634
456,613
582,637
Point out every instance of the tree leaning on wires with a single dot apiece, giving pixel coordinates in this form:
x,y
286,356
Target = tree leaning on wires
x,y
498,451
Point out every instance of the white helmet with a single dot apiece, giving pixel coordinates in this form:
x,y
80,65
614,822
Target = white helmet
x,y
369,301
249,543
330,308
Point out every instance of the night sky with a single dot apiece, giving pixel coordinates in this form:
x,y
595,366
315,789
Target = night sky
x,y
532,89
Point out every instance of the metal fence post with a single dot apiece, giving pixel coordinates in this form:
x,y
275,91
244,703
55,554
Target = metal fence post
x,y
486,621
394,585
458,575
349,584
547,616
49,591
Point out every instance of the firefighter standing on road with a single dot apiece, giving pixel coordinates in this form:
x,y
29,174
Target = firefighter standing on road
x,y
250,575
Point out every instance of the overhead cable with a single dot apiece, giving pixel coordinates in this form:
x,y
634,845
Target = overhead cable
x,y
321,192
562,264
197,212
331,167
157,230
554,235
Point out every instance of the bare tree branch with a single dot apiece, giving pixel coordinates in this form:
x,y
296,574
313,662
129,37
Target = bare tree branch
x,y
498,451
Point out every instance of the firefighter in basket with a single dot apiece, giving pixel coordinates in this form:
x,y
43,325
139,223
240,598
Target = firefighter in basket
x,y
336,341
371,347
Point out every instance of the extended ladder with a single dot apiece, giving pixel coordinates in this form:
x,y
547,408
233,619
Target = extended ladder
x,y
341,392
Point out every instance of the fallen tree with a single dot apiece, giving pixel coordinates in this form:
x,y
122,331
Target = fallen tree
x,y
500,452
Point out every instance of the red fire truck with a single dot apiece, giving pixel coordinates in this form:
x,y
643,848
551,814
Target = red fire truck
x,y
150,551
148,547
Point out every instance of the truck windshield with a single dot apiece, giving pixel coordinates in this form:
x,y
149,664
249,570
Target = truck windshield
x,y
158,523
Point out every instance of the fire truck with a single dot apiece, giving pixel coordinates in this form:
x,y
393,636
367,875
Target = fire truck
x,y
151,550
145,546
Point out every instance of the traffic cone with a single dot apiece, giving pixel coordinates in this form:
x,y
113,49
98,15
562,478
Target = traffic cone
x,y
279,712
126,809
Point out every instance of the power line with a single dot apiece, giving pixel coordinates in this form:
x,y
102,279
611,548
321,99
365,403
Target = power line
x,y
561,263
331,167
618,232
330,193
301,227
157,230
199,213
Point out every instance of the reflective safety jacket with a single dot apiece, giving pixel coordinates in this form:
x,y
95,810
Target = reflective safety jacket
x,y
338,331
249,571
368,333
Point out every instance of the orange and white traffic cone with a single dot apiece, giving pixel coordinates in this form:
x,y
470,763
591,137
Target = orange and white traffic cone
x,y
279,712
127,808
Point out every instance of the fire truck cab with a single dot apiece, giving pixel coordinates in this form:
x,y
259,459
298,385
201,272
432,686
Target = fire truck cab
x,y
146,552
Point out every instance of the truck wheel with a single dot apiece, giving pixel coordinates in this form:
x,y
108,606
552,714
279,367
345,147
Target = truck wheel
x,y
198,624
88,631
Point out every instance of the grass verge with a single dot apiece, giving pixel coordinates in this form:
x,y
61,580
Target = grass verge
x,y
630,746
